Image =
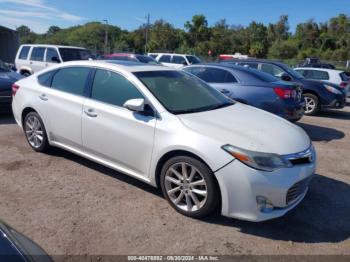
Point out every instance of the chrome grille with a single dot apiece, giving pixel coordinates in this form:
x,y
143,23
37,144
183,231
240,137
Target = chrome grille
x,y
297,190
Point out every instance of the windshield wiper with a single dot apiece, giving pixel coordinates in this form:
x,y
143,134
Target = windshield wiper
x,y
203,109
220,106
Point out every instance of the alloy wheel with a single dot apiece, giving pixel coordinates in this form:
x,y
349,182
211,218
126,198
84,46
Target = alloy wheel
x,y
186,186
34,131
310,104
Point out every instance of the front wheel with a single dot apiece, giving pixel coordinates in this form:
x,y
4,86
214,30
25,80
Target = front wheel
x,y
35,132
312,104
190,187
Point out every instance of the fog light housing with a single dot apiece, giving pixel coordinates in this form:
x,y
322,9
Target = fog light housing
x,y
263,204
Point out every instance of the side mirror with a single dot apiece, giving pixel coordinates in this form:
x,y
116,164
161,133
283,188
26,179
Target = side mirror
x,y
136,105
55,59
286,77
184,63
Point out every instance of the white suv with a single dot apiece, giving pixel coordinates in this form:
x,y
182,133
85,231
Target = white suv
x,y
175,60
33,58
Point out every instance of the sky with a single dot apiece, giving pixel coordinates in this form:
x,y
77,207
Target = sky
x,y
39,15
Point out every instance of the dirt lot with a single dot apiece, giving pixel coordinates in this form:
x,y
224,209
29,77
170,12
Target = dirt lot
x,y
70,205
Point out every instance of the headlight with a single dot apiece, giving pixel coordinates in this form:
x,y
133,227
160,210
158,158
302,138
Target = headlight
x,y
258,160
332,89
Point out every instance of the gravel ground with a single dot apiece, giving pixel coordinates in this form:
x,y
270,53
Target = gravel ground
x,y
69,205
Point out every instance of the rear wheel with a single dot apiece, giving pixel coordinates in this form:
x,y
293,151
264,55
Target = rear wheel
x,y
189,186
35,132
26,74
312,104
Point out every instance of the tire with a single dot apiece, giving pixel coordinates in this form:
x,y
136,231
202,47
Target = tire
x,y
312,106
192,200
35,132
26,74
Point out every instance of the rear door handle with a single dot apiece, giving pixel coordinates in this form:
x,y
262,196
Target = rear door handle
x,y
225,91
43,97
90,112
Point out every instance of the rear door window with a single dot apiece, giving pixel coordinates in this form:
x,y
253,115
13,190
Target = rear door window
x,y
215,75
71,80
165,59
178,60
50,53
318,75
46,78
24,52
303,72
212,75
38,54
272,70
251,65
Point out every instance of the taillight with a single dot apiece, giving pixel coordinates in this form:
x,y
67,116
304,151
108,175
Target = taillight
x,y
343,84
14,89
285,93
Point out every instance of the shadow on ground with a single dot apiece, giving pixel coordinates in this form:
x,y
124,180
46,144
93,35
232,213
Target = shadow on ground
x,y
57,152
6,119
323,216
335,114
319,133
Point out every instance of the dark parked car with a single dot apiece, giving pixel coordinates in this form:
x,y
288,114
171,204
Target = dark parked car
x,y
316,63
252,87
317,94
7,78
131,57
16,247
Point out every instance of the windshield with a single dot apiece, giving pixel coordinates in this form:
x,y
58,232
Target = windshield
x,y
193,59
181,93
147,60
4,67
73,54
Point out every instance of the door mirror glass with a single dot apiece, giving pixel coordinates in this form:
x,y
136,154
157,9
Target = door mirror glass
x,y
136,105
55,59
286,77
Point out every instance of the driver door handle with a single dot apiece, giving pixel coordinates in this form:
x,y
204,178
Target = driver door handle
x,y
43,97
90,112
224,91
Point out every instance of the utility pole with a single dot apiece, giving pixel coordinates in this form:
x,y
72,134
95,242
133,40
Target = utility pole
x,y
147,27
106,37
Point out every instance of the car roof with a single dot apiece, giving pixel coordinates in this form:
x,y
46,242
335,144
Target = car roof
x,y
320,69
125,65
170,54
58,46
251,60
225,66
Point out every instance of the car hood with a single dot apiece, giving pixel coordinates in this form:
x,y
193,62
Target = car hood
x,y
249,128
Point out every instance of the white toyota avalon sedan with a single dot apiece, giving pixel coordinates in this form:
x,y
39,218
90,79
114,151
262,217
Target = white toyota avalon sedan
x,y
173,131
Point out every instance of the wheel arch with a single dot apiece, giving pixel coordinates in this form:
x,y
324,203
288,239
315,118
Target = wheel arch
x,y
26,111
311,92
24,69
174,153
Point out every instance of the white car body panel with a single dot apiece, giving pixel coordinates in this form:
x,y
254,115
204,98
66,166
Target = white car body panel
x,y
134,144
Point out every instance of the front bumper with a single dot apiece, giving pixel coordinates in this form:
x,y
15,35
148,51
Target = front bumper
x,y
240,186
